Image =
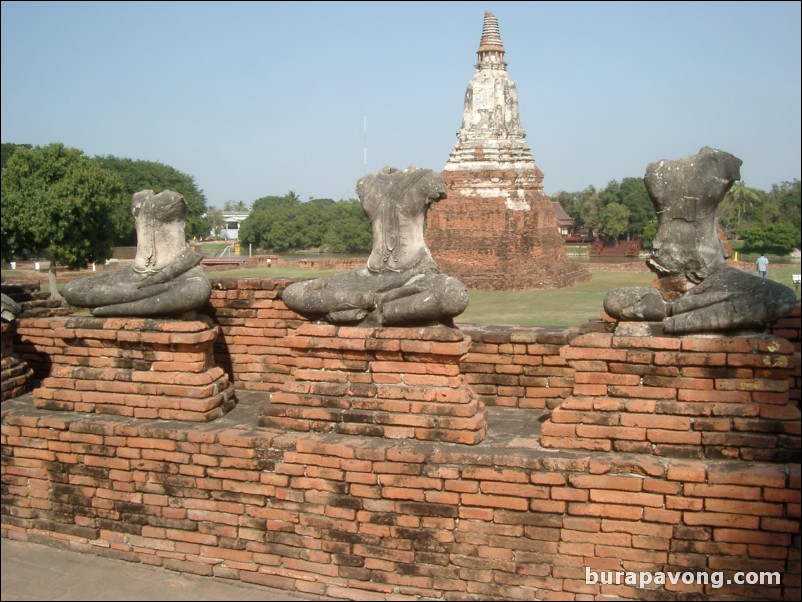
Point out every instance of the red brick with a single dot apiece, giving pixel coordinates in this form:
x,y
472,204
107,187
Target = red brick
x,y
729,345
779,524
656,421
611,432
722,491
744,507
739,474
605,510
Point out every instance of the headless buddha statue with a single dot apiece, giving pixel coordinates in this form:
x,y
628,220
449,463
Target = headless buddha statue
x,y
165,278
401,283
686,194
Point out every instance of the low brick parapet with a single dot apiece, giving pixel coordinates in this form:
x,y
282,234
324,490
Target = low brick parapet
x,y
144,368
253,322
694,397
518,367
352,515
506,366
397,383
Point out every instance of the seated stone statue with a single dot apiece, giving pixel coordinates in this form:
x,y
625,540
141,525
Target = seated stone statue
x,y
686,194
401,283
10,308
165,278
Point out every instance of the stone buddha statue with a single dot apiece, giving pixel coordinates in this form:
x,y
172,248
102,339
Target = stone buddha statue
x,y
165,279
686,194
401,283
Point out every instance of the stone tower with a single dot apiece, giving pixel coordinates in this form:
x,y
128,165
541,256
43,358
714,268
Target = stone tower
x,y
497,230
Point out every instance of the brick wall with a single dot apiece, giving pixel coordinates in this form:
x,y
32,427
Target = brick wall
x,y
519,367
137,367
373,518
507,366
693,397
376,519
475,236
254,323
394,383
15,372
789,328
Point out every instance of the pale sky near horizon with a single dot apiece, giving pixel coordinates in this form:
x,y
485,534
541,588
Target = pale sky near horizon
x,y
260,98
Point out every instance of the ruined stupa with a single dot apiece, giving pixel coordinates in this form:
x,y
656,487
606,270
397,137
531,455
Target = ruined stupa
x,y
497,230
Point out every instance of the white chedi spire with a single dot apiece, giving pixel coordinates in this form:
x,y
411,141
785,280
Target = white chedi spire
x,y
491,132
491,48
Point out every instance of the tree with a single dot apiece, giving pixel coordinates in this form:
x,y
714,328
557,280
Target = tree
x,y
786,198
350,229
649,232
150,175
590,214
740,209
58,202
615,218
632,194
9,149
266,212
216,221
780,238
582,207
285,223
235,206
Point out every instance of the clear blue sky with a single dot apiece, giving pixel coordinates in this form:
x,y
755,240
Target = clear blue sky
x,y
260,98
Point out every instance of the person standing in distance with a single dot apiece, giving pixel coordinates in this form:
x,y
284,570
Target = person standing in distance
x,y
762,265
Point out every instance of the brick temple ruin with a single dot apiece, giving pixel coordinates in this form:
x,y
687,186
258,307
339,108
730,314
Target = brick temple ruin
x,y
497,230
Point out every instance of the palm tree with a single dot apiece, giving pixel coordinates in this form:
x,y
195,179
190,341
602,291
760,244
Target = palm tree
x,y
744,199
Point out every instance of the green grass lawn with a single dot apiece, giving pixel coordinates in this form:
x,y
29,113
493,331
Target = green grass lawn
x,y
276,272
570,306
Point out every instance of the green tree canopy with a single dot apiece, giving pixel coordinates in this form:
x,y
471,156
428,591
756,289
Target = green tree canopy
x,y
285,223
582,207
9,149
216,221
635,197
741,207
590,214
350,229
788,201
649,232
630,193
58,202
780,238
150,175
257,228
755,216
615,217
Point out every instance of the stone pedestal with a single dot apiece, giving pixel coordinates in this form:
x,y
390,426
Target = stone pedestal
x,y
144,368
14,372
688,397
395,383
